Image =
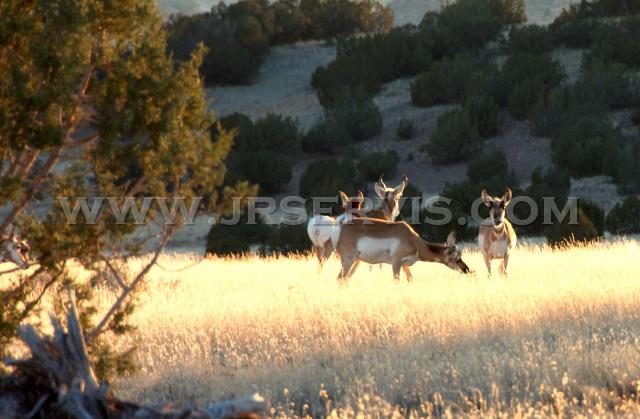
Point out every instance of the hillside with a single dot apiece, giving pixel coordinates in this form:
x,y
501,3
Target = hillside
x,y
283,87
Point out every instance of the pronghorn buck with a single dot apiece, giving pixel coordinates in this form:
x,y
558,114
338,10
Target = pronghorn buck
x,y
396,243
321,227
14,250
390,208
497,236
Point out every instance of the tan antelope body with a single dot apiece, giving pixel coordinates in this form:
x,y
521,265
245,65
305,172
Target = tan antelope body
x,y
496,237
396,243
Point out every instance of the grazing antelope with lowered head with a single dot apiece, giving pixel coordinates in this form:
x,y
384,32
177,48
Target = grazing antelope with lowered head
x,y
321,227
396,243
14,250
497,236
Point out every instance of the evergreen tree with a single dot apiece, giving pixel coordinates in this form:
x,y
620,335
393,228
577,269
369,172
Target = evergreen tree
x,y
92,106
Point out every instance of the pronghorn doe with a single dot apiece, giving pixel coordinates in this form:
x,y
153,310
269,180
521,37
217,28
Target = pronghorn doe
x,y
376,241
14,250
497,236
320,227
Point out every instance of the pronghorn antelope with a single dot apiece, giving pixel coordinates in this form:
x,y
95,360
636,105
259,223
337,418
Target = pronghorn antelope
x,y
390,208
320,227
496,237
14,250
396,243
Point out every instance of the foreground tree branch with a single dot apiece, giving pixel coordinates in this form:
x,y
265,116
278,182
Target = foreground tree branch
x,y
58,380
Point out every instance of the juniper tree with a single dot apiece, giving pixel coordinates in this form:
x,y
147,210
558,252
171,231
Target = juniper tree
x,y
91,105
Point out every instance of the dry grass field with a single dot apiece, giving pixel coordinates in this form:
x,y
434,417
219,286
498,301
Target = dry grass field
x,y
559,336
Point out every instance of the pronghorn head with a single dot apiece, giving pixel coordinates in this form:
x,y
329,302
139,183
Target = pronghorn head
x,y
497,206
453,255
351,205
391,196
14,250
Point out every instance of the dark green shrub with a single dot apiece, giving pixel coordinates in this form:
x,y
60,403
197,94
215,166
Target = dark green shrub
x,y
574,32
342,125
624,218
235,239
491,171
361,120
230,58
587,146
486,80
618,43
484,114
527,78
326,176
364,63
603,8
287,239
547,114
404,51
272,132
565,233
468,25
372,165
609,84
260,150
445,82
339,18
271,170
533,39
405,130
594,213
348,77
509,11
554,183
436,233
628,171
456,139
326,136
289,22
238,36
462,195
488,171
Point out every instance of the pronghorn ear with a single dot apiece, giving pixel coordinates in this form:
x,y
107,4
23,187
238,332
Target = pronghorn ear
x,y
343,197
380,188
360,195
486,198
451,239
506,198
400,188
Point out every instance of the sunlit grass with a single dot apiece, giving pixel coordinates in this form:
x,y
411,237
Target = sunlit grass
x,y
560,335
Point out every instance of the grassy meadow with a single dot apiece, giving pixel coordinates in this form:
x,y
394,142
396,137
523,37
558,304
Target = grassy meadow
x,y
559,336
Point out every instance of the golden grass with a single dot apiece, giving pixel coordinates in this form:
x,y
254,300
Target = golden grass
x,y
559,336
